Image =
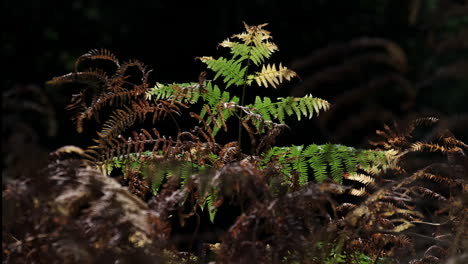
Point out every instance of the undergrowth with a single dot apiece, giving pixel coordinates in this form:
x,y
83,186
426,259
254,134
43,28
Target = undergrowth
x,y
172,179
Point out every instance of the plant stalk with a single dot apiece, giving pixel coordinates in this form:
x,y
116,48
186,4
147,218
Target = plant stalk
x,y
239,139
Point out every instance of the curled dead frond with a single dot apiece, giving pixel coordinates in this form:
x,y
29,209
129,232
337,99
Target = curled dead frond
x,y
97,54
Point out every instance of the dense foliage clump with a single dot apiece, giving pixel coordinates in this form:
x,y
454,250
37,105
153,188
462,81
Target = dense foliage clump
x,y
191,172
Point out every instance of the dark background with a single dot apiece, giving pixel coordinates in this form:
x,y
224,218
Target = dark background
x,y
42,39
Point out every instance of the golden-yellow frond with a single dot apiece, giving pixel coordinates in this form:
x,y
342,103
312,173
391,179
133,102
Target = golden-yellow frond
x,y
254,34
273,77
358,192
205,58
359,177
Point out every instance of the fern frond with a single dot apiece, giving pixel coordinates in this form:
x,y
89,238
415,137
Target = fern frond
x,y
218,107
257,54
299,164
118,98
427,193
231,70
122,71
184,92
358,192
92,78
260,53
336,166
126,117
421,146
324,161
254,46
270,76
209,202
359,177
97,54
254,34
300,106
316,162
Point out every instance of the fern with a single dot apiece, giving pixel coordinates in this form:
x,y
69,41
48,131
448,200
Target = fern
x,y
97,54
254,47
303,106
271,76
325,161
232,70
249,49
209,203
299,164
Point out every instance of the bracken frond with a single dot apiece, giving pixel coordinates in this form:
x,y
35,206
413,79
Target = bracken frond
x,y
91,78
126,117
326,161
270,76
232,70
97,54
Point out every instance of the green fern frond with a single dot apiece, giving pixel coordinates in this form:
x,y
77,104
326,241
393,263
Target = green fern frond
x,y
209,202
254,46
299,164
257,54
212,96
302,106
182,92
159,92
326,161
316,162
218,114
231,70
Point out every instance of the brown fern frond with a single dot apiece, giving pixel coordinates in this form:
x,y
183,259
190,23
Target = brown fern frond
x,y
421,146
206,132
93,78
102,91
229,152
120,120
212,118
418,190
424,174
251,132
427,121
269,139
123,71
221,117
438,138
126,117
120,146
187,146
453,143
114,99
97,54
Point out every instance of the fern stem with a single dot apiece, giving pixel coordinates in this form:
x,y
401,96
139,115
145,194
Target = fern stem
x,y
239,139
240,118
